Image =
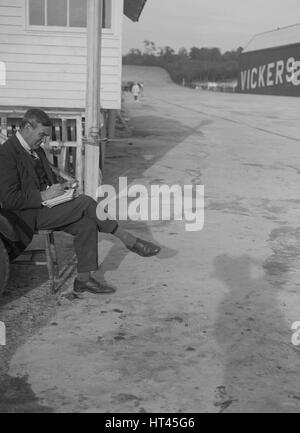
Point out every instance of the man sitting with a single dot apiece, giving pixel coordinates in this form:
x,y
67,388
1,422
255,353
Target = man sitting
x,y
26,181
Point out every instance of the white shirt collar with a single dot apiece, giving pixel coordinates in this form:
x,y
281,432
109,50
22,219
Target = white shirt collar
x,y
24,143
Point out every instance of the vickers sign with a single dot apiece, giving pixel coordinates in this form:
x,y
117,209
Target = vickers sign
x,y
275,71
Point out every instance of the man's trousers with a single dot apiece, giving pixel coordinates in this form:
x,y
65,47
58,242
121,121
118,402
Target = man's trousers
x,y
78,218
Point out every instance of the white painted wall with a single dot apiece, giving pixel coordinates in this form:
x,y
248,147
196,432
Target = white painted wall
x,y
47,67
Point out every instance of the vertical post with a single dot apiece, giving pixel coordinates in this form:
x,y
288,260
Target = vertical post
x,y
79,156
103,144
92,115
4,124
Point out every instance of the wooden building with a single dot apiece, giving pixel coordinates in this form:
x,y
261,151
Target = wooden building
x,y
43,45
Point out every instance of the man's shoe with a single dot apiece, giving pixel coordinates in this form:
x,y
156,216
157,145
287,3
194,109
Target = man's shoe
x,y
144,248
92,286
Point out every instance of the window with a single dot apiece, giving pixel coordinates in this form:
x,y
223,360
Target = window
x,y
106,15
37,12
57,13
65,13
77,13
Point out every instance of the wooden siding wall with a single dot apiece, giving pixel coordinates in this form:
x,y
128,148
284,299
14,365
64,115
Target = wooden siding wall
x,y
48,68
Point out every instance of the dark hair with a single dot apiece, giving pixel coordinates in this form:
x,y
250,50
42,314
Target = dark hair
x,y
35,116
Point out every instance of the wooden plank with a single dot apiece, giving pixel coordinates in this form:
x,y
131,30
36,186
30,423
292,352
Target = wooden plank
x,y
51,68
42,103
29,77
103,146
37,85
5,31
111,105
18,47
13,21
64,130
62,162
4,125
11,3
79,155
72,151
57,68
18,35
109,77
17,113
44,67
57,131
62,158
55,86
39,59
9,11
43,59
36,52
56,125
56,103
3,138
49,94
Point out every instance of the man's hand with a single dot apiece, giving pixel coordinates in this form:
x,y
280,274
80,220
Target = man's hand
x,y
53,192
71,184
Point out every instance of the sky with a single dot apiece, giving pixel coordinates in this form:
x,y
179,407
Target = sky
x,y
226,24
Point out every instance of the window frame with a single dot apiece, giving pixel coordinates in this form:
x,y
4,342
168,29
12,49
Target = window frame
x,y
67,29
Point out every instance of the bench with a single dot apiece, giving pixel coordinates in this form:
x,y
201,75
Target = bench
x,y
57,276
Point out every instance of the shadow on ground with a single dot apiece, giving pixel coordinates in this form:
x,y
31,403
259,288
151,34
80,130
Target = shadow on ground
x,y
131,158
253,336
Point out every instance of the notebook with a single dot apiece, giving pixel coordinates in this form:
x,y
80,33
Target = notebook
x,y
67,196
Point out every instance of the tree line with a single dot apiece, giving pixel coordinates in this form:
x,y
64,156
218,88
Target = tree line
x,y
189,66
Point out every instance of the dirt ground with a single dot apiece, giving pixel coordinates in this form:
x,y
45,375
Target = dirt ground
x,y
206,325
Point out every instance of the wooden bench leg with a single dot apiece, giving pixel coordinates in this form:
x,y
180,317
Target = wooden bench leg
x,y
55,261
52,263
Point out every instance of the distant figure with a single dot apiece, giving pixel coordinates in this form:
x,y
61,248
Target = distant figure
x,y
141,85
136,91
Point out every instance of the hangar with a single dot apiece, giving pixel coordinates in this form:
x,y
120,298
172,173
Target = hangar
x,y
270,63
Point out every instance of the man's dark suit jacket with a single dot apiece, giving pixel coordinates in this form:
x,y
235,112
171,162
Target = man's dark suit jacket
x,y
19,186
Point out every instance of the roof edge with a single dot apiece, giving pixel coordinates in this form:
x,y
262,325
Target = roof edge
x,y
257,35
133,9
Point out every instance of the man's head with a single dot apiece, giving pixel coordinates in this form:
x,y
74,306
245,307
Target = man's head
x,y
35,127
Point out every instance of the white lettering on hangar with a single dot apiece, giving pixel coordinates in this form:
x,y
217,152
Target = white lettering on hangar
x,y
271,74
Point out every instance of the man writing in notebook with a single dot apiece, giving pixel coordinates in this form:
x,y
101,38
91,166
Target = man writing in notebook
x,y
26,181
